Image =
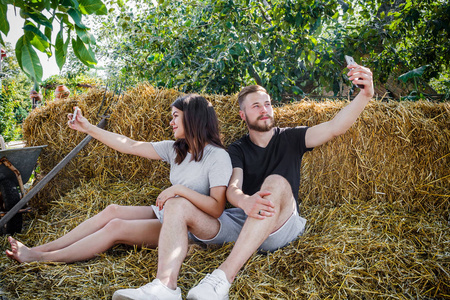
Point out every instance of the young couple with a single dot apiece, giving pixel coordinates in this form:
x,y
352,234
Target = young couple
x,y
261,181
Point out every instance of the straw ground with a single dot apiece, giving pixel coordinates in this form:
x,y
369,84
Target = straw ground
x,y
376,200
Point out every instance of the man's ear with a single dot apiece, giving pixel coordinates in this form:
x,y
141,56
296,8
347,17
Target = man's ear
x,y
242,114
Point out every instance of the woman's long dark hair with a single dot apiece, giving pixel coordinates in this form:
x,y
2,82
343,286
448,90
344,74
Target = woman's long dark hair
x,y
201,127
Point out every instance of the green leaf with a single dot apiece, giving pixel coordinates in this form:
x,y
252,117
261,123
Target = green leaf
x,y
40,19
63,18
85,55
76,16
297,91
66,44
48,4
89,7
39,40
19,45
85,35
30,62
48,33
4,25
407,6
311,56
60,51
413,73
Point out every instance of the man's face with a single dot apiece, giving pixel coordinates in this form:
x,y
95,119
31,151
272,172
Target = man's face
x,y
257,112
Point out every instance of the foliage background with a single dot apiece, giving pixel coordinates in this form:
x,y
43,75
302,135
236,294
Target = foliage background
x,y
41,19
294,48
14,103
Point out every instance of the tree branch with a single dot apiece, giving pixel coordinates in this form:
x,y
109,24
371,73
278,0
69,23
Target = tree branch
x,y
254,74
264,13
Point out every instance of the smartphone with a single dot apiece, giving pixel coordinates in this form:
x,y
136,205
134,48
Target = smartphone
x,y
74,116
351,61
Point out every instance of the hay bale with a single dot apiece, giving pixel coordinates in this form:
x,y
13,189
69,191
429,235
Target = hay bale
x,y
376,200
397,152
142,114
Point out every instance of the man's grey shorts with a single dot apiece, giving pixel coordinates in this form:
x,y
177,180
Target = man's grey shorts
x,y
232,220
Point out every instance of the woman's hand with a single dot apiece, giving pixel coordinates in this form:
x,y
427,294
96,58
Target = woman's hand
x,y
80,123
165,195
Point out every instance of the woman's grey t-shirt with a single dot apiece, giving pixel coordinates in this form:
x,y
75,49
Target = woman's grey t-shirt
x,y
213,170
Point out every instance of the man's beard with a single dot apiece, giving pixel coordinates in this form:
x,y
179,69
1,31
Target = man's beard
x,y
260,128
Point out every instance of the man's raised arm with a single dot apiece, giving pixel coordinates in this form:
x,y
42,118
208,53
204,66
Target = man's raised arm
x,y
322,133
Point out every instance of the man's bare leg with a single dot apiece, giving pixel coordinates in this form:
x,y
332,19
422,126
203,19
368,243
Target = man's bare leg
x,y
255,232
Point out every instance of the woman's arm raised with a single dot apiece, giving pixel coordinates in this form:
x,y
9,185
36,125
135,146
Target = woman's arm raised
x,y
116,141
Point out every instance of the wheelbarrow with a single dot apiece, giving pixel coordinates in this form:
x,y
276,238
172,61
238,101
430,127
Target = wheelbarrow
x,y
7,221
16,167
11,214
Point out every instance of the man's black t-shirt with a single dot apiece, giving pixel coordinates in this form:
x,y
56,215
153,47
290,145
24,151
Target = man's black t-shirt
x,y
282,156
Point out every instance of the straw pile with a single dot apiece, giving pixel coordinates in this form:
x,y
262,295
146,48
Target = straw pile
x,y
376,200
142,114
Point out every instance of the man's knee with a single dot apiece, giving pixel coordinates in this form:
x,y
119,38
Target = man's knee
x,y
279,187
276,182
180,209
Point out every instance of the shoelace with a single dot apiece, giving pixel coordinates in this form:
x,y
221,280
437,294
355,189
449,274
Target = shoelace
x,y
214,281
148,285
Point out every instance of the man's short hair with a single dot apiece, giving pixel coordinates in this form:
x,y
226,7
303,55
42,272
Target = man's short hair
x,y
249,90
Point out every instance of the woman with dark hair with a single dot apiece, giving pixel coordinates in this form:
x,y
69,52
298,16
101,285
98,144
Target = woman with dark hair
x,y
200,169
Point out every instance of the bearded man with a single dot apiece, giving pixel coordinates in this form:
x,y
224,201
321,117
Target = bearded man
x,y
265,181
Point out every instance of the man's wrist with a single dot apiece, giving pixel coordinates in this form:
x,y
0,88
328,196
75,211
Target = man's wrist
x,y
241,200
367,97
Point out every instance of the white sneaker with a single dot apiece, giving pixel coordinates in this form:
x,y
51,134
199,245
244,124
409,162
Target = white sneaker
x,y
213,286
154,290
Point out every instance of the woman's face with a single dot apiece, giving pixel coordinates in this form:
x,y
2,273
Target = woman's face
x,y
177,123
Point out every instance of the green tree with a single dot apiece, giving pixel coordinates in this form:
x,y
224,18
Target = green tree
x,y
404,35
40,16
292,47
218,46
14,102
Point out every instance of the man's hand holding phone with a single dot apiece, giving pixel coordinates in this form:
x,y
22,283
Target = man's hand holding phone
x,y
351,62
359,75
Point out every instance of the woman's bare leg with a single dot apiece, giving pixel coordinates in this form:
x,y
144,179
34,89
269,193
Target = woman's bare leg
x,y
117,231
97,222
180,215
